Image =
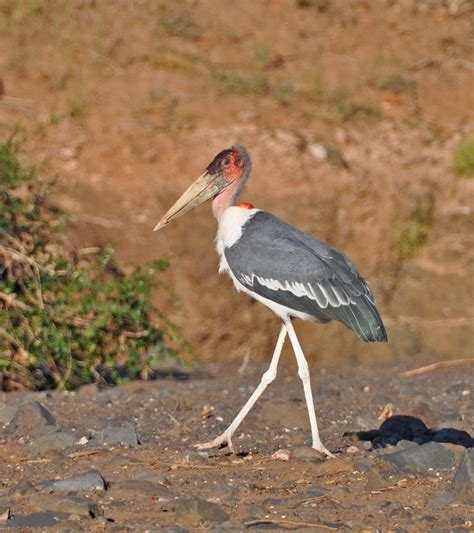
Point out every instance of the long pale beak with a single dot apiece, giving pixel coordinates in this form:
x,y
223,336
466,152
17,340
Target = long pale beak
x,y
204,188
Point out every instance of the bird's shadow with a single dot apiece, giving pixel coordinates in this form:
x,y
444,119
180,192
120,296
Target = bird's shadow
x,y
411,428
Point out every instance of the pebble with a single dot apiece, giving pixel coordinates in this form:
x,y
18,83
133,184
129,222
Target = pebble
x,y
91,480
136,487
54,441
124,435
195,512
281,455
463,482
306,453
35,520
197,457
24,486
71,504
331,467
7,412
30,416
430,455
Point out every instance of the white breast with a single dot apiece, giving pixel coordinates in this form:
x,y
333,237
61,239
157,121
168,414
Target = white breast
x,y
230,230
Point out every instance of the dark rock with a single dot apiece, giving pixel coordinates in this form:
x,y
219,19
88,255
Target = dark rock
x,y
404,427
71,504
124,435
24,486
7,412
42,519
196,512
89,481
30,416
454,436
430,455
54,441
136,487
463,481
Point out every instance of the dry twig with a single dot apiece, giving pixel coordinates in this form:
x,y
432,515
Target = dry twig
x,y
286,523
435,366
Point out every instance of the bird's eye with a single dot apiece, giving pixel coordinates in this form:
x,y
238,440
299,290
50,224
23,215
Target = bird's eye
x,y
225,161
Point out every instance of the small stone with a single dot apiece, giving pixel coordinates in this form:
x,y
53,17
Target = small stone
x,y
34,520
71,504
196,512
30,416
306,453
438,502
198,457
92,480
135,487
24,486
429,455
281,455
463,481
376,480
54,441
352,449
331,467
124,435
7,412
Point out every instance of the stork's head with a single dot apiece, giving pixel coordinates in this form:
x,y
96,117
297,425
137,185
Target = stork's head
x,y
230,167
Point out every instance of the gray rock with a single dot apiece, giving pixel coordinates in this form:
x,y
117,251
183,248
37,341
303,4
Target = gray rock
x,y
429,455
406,444
7,412
30,416
41,519
196,512
24,486
71,504
135,487
92,480
54,441
124,435
438,502
463,481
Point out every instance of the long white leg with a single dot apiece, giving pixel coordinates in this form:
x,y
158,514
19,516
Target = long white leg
x,y
303,372
267,378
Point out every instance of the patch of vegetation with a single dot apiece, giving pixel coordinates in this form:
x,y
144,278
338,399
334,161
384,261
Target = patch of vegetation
x,y
67,316
397,83
234,82
414,232
463,158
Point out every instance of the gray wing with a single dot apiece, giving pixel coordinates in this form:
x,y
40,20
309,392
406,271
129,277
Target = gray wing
x,y
290,267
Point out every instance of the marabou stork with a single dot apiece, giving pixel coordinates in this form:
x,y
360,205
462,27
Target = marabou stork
x,y
286,269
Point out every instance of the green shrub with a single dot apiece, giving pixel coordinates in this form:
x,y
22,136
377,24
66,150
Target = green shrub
x,y
67,316
464,158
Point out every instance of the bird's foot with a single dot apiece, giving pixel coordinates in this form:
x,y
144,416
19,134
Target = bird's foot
x,y
216,443
323,450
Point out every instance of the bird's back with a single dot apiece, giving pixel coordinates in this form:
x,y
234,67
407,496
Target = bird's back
x,y
281,263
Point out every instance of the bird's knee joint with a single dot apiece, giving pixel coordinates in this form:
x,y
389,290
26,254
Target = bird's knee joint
x,y
269,376
303,371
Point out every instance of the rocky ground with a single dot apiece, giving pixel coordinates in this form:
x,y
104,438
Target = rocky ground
x,y
118,459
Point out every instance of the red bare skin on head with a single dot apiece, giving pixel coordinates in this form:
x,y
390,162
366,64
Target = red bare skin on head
x,y
244,205
235,167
